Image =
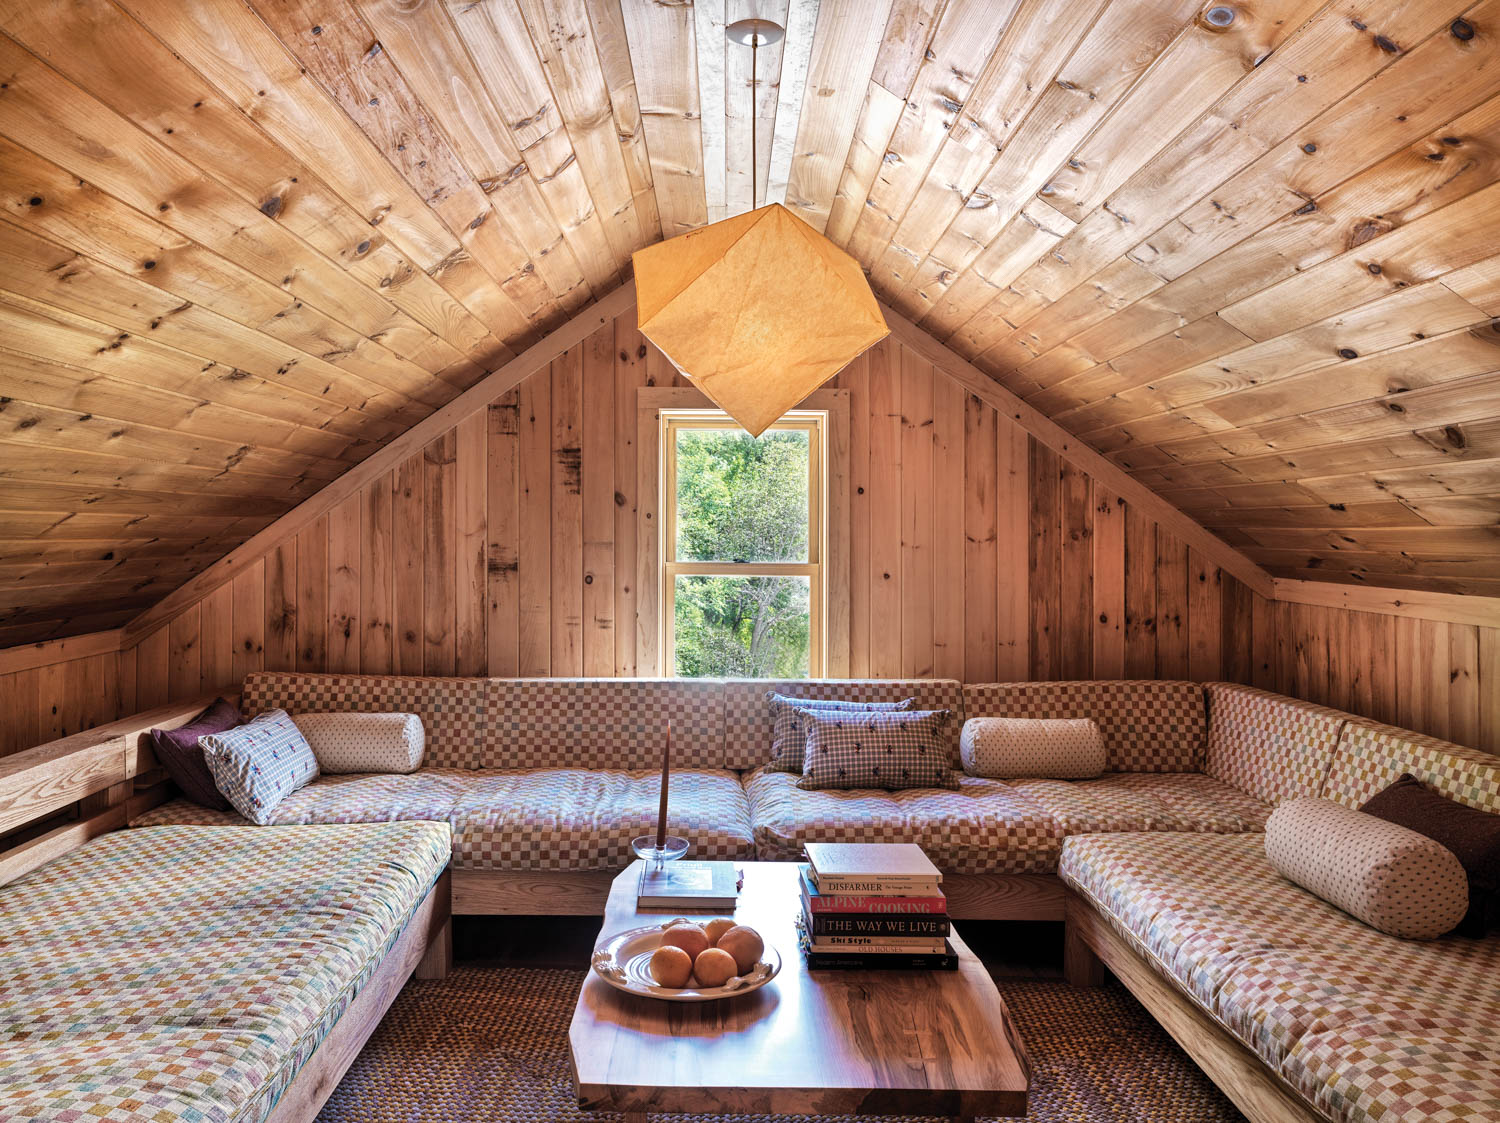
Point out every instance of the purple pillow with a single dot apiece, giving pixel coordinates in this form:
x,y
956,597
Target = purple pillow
x,y
178,752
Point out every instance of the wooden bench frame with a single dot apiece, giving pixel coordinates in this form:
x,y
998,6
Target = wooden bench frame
x,y
58,796
1093,944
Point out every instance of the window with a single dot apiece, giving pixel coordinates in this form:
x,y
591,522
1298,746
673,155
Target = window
x,y
742,546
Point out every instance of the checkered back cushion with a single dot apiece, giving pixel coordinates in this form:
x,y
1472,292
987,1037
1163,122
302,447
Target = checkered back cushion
x,y
747,714
603,723
1148,726
1269,745
451,709
1371,757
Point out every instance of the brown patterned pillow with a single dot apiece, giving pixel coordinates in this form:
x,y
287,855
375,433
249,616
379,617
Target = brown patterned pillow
x,y
789,732
1392,878
1473,836
891,750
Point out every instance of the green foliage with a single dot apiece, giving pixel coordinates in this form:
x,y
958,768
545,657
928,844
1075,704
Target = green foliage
x,y
742,500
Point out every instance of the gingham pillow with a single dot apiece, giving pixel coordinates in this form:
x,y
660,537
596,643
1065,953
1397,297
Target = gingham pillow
x,y
887,750
360,742
260,763
789,732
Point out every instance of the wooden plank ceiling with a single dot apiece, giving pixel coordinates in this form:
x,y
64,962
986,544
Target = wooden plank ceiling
x,y
1249,250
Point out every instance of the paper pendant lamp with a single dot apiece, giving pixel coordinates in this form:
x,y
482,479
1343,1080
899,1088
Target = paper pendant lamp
x,y
758,311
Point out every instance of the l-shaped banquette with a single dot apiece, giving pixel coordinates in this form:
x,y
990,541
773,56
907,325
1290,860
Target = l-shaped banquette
x,y
525,803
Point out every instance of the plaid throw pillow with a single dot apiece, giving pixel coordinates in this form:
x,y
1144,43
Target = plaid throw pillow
x,y
877,750
259,764
789,730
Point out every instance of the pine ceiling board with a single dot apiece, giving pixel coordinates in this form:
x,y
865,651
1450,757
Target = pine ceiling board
x,y
749,96
844,47
613,49
1117,49
1478,284
105,51
365,83
566,44
961,55
1366,562
796,56
872,132
59,277
933,244
234,50
709,21
1476,477
91,485
1460,234
1399,452
58,336
190,417
496,105
1264,108
664,57
1466,542
1379,514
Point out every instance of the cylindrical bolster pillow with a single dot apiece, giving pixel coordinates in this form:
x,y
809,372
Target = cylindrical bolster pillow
x,y
363,742
1012,748
1392,878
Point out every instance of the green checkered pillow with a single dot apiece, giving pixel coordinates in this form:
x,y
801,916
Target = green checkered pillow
x,y
890,750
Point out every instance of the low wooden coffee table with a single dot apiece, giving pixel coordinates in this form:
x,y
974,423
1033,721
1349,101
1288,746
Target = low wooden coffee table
x,y
810,1043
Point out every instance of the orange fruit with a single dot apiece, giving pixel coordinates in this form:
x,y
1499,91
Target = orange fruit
x,y
745,944
716,929
714,967
690,937
671,966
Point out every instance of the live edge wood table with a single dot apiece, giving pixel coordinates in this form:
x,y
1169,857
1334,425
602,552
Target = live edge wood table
x,y
810,1043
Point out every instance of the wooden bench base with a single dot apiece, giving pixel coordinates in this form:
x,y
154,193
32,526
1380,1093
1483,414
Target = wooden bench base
x,y
1094,944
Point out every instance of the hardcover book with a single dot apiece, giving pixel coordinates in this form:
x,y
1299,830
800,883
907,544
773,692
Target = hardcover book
x,y
875,869
863,945
817,902
695,885
878,927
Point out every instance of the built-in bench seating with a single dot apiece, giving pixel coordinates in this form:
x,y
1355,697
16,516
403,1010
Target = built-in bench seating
x,y
192,973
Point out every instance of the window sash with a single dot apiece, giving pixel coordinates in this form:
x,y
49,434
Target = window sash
x,y
814,423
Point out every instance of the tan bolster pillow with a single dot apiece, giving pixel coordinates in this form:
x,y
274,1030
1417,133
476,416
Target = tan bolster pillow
x,y
1013,748
364,742
1389,876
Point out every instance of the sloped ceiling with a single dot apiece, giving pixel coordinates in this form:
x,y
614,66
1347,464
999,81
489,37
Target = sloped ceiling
x,y
1247,250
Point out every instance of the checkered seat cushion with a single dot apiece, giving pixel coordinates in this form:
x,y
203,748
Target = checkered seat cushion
x,y
1269,745
1369,1028
983,827
184,974
377,797
584,819
1371,757
1148,726
1147,801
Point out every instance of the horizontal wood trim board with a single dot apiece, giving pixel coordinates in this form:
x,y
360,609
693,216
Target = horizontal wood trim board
x,y
1423,605
477,397
52,651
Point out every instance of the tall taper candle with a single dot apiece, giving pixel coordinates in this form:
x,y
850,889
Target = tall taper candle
x,y
666,769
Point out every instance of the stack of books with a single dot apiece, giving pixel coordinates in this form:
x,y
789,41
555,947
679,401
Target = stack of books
x,y
867,906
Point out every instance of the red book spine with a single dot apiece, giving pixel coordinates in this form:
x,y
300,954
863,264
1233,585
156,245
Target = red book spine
x,y
883,906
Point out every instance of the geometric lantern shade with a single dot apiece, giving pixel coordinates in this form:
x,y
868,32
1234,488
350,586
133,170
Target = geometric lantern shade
x,y
758,311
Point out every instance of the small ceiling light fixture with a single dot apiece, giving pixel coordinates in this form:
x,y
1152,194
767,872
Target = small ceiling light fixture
x,y
758,310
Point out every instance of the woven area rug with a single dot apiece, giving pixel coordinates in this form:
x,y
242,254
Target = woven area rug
x,y
490,1045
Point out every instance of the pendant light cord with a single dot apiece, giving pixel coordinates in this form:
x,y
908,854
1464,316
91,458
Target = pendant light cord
x,y
754,146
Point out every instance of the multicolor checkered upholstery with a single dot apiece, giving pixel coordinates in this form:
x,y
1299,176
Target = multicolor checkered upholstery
x,y
1371,757
184,975
747,714
1148,726
1269,745
451,709
603,723
373,797
1147,801
584,819
983,827
1368,1027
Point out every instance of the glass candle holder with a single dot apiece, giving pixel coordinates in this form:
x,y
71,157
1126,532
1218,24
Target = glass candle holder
x,y
646,849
